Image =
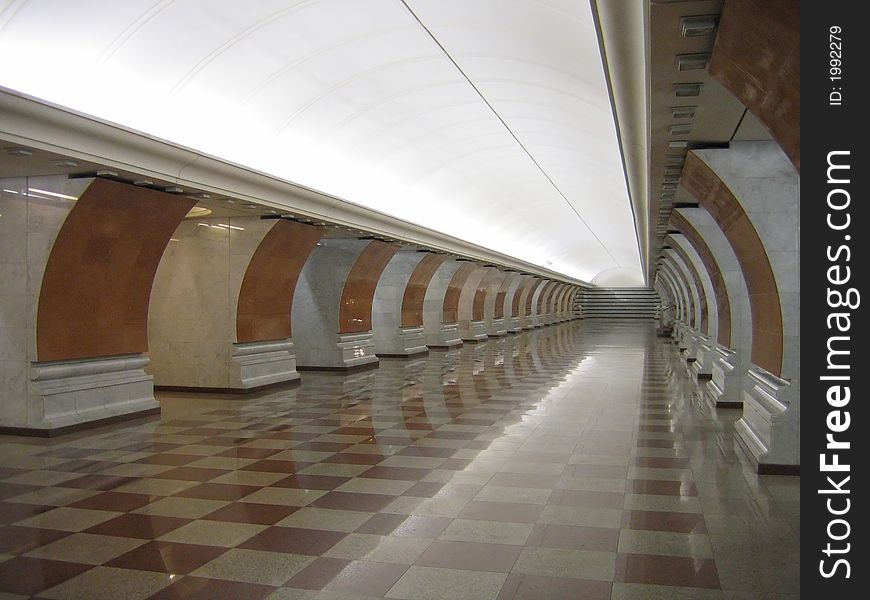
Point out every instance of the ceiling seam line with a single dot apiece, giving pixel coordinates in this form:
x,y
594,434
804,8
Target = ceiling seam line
x,y
508,129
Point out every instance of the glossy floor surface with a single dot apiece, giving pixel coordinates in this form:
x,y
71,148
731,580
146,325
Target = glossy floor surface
x,y
568,462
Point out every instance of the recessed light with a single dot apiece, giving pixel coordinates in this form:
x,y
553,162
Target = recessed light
x,y
55,194
203,196
228,201
65,164
173,189
680,129
697,26
143,182
683,112
105,173
249,205
22,152
692,62
686,90
678,144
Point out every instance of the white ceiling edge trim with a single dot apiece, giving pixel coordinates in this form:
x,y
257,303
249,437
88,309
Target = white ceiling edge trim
x,y
623,32
32,122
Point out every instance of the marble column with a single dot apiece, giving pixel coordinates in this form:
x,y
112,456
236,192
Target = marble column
x,y
499,285
332,308
529,302
472,298
438,333
391,336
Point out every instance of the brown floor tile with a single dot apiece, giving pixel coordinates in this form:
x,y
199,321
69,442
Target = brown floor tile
x,y
662,488
318,574
30,576
200,588
12,512
84,466
501,511
167,557
169,459
403,473
598,471
312,542
10,490
96,481
311,482
277,466
191,474
218,491
353,501
145,527
666,570
251,512
599,539
427,452
498,558
18,540
350,458
321,446
663,521
522,586
255,453
114,501
383,524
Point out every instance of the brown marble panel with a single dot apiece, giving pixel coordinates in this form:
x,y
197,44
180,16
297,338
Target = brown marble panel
x,y
97,282
717,199
450,308
532,286
723,304
479,301
696,278
266,295
415,291
757,58
355,310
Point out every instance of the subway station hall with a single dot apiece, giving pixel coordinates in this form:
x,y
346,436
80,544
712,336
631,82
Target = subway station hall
x,y
409,299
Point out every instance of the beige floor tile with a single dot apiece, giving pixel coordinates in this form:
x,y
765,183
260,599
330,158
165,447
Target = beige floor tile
x,y
86,548
693,545
284,496
379,548
107,583
560,562
388,487
210,533
489,532
494,493
429,583
68,519
186,508
254,566
325,518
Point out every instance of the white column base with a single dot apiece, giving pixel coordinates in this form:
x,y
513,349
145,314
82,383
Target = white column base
x,y
770,428
702,368
446,337
725,389
409,341
70,393
255,365
513,325
349,351
474,331
497,328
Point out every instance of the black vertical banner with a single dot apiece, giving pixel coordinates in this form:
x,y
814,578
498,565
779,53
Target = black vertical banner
x,y
835,422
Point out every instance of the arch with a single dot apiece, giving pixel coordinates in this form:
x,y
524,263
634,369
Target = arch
x,y
723,303
450,308
415,291
703,308
501,296
756,57
266,297
544,297
532,288
518,294
766,312
357,295
691,303
105,257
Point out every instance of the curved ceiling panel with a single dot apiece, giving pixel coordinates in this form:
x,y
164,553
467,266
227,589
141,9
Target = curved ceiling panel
x,y
488,120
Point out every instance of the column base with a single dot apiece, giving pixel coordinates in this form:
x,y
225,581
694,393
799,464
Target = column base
x,y
769,429
409,342
446,337
513,325
474,331
351,351
256,366
497,328
70,395
725,388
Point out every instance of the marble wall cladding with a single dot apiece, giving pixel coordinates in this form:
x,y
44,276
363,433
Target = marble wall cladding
x,y
317,299
757,58
389,298
194,302
357,295
527,301
415,292
684,273
105,257
516,302
732,279
472,297
265,299
29,224
683,308
499,297
433,302
710,321
762,180
453,293
706,183
722,322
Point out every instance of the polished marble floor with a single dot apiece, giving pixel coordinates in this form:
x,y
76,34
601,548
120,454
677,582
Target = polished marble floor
x,y
572,461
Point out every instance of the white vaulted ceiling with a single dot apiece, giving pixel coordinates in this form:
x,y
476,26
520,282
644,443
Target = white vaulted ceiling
x,y
488,120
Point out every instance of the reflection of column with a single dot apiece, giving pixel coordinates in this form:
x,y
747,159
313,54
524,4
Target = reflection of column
x,y
441,332
84,252
391,336
332,310
751,189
